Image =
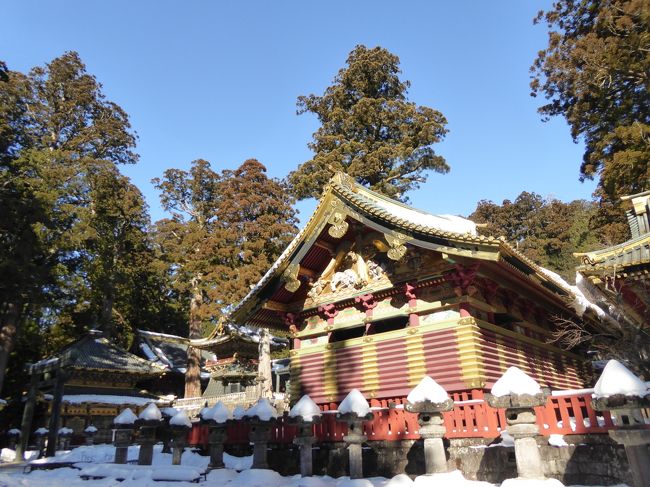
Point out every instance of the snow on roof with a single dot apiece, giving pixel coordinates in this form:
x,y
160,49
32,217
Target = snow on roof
x,y
305,408
41,431
580,302
618,379
354,402
125,417
263,410
515,381
107,399
445,223
150,413
13,431
91,429
66,431
427,390
181,419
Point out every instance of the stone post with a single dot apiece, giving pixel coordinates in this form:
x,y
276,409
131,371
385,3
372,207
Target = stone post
x,y
354,439
260,434
179,441
90,433
41,435
522,426
630,432
146,440
148,420
305,440
216,438
164,431
217,419
122,441
432,430
13,435
65,435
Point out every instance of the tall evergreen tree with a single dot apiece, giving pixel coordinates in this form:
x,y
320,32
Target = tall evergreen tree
x,y
546,231
370,130
58,131
225,231
595,72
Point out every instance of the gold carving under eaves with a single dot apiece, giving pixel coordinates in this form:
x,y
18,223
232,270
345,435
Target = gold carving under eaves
x,y
355,266
396,242
290,277
338,224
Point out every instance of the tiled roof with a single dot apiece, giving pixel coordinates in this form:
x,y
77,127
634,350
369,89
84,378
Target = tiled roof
x,y
95,352
618,259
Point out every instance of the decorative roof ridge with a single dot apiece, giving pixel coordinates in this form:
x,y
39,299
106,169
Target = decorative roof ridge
x,y
592,258
360,196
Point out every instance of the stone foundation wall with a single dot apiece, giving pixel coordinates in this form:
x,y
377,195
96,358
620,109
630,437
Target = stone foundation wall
x,y
588,460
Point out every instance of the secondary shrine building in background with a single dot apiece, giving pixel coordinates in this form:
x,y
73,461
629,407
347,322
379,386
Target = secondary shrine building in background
x,y
377,294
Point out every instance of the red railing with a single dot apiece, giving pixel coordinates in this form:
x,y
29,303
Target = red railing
x,y
471,417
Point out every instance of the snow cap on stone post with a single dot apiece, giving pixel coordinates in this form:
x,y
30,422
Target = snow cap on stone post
x,y
427,390
238,412
305,409
150,413
262,410
515,382
218,413
354,402
180,419
126,417
618,379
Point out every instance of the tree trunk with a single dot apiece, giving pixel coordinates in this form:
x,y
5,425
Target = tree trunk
x,y
9,327
264,364
106,318
193,372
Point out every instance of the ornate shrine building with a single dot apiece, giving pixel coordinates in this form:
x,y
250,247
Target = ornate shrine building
x,y
87,383
621,272
377,294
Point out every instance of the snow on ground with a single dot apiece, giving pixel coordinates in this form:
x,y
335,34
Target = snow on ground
x,y
618,379
557,440
96,460
515,381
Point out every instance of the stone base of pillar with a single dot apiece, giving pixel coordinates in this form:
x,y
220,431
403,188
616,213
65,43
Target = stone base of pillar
x,y
305,444
121,454
636,443
354,443
435,458
529,461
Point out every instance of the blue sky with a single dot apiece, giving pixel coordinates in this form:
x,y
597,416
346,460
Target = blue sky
x,y
219,80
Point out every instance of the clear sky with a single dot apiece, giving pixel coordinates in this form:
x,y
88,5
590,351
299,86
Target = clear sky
x,y
219,80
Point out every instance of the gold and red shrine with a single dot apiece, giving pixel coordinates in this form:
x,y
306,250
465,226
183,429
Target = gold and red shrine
x,y
377,294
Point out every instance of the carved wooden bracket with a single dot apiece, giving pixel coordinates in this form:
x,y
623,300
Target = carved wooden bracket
x,y
489,289
367,301
337,220
290,278
396,243
328,310
409,291
289,319
462,276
